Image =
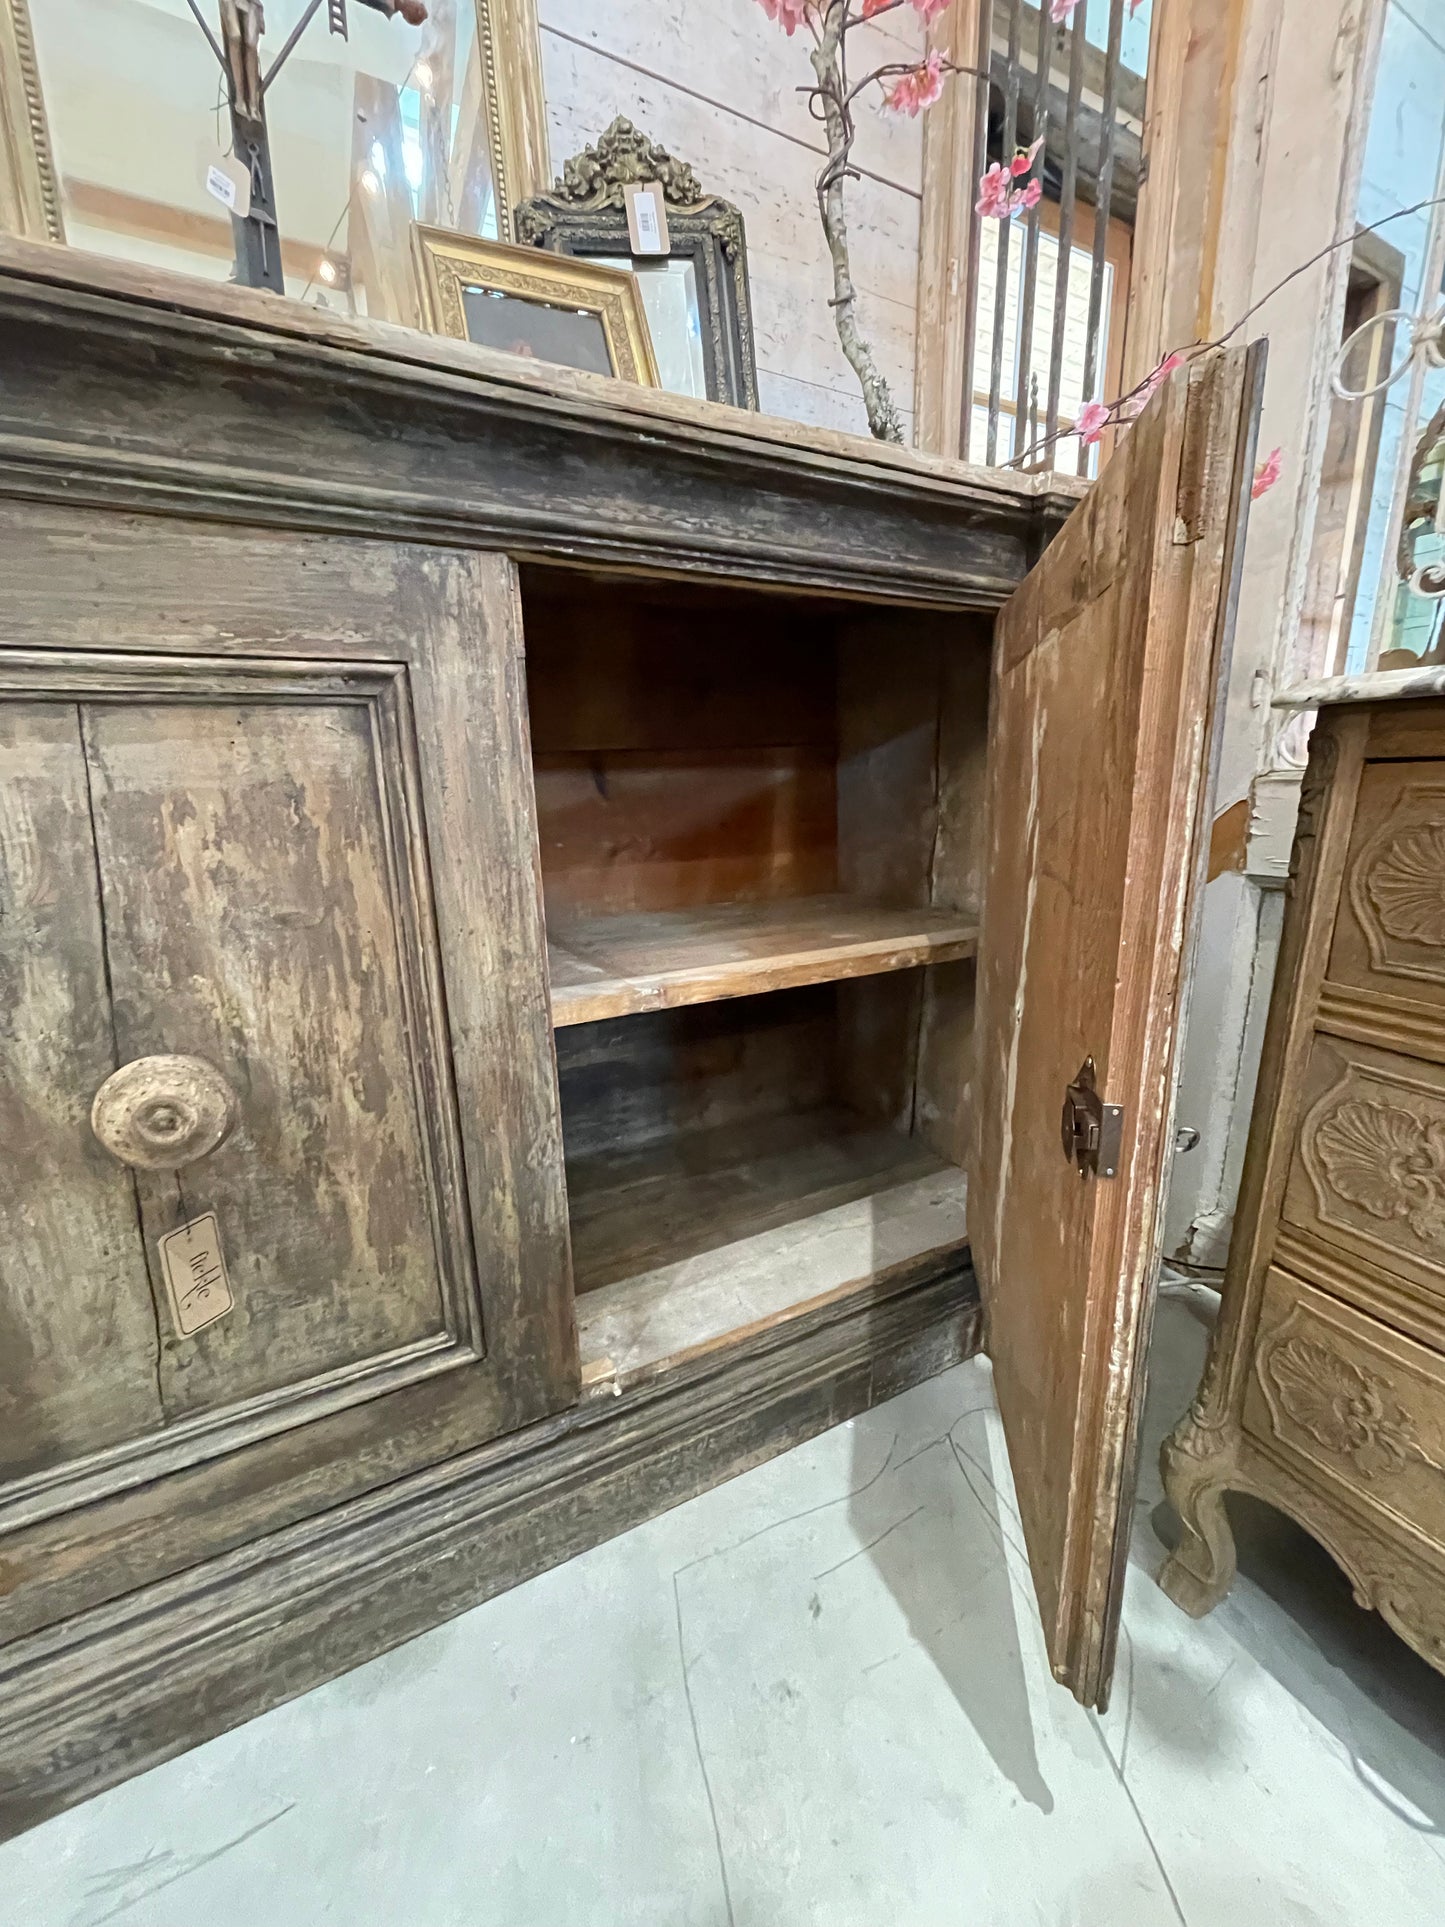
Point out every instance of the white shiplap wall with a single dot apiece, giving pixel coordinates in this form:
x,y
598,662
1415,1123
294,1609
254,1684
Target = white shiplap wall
x,y
716,84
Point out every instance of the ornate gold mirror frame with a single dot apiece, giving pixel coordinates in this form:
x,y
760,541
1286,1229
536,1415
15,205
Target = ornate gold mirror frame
x,y
29,191
511,56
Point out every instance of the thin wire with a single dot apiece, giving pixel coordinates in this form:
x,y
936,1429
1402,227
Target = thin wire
x,y
1192,350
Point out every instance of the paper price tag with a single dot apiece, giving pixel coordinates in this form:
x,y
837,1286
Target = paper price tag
x,y
195,1272
228,182
647,219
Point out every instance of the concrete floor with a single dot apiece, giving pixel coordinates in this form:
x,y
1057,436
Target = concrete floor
x,y
816,1695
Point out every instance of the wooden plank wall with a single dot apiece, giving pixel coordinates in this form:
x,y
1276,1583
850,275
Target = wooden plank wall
x,y
717,86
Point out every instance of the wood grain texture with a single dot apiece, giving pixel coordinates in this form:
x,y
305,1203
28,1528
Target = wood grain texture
x,y
249,917
610,966
1105,672
284,1436
651,1208
78,1329
276,412
833,1252
1361,1406
946,1053
655,829
1322,1392
132,1684
684,742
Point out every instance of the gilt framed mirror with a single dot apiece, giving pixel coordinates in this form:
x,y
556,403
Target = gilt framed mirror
x,y
696,295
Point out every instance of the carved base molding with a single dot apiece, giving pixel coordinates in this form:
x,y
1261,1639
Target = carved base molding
x,y
119,1689
1201,1464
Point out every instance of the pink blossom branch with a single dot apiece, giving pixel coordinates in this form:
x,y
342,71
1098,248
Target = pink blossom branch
x,y
907,87
1094,417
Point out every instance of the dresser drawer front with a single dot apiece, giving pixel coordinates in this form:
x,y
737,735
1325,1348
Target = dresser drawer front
x,y
1367,1173
1389,939
1351,1404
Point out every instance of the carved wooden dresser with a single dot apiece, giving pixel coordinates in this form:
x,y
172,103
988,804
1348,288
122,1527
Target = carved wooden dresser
x,y
521,899
1324,1390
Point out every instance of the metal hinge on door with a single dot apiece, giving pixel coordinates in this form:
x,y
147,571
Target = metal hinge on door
x,y
1092,1130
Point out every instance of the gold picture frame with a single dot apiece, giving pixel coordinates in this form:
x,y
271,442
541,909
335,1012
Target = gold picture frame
x,y
574,314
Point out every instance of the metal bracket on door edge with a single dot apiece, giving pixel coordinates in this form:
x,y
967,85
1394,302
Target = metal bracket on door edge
x,y
1092,1131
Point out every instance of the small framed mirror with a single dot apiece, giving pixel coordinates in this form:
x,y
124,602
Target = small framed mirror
x,y
696,295
576,314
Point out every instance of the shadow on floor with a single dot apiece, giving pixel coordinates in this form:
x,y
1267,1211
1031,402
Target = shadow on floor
x,y
951,1579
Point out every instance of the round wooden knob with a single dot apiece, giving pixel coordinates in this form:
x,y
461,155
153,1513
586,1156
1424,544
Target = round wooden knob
x,y
163,1112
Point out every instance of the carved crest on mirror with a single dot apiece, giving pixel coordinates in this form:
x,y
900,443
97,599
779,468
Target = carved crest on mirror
x,y
706,295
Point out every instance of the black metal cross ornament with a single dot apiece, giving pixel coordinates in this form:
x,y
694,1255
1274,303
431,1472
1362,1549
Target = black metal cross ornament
x,y
257,233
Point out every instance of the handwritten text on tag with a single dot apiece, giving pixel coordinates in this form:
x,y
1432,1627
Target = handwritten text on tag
x,y
195,1271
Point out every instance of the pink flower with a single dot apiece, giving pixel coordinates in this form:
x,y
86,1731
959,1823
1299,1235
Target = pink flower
x,y
993,193
998,198
1024,159
918,88
1267,474
870,7
789,14
1135,404
927,9
1061,12
1093,419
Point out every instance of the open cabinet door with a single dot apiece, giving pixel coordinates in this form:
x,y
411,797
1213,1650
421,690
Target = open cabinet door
x,y
1108,661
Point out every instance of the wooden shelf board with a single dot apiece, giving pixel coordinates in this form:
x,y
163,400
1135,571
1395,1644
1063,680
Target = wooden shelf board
x,y
705,1239
617,965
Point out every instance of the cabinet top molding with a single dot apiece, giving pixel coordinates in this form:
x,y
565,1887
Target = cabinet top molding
x,y
137,389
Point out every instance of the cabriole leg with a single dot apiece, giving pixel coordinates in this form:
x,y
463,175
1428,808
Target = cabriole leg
x,y
1196,1462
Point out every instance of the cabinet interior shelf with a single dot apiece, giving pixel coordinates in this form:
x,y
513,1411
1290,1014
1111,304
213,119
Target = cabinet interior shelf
x,y
685,1244
613,966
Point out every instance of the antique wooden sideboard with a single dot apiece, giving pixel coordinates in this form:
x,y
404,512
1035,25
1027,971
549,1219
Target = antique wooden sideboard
x,y
1324,1390
517,910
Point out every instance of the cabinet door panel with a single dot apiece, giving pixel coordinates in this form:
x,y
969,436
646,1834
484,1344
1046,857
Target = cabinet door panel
x,y
1106,667
250,921
77,1361
318,873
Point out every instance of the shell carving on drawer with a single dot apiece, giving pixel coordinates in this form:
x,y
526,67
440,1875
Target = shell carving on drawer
x,y
1406,885
1387,1158
1373,1149
1397,887
1342,1407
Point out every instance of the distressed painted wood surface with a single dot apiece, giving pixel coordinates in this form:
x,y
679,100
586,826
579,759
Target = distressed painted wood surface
x,y
250,920
282,415
78,1330
137,1682
1105,671
699,1303
322,876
